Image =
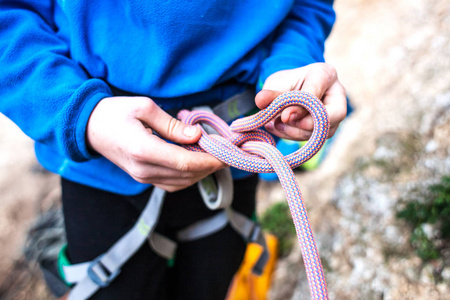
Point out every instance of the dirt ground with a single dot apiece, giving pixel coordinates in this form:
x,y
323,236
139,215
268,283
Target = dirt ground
x,y
394,59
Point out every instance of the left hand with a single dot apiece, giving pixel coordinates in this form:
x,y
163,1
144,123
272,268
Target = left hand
x,y
295,123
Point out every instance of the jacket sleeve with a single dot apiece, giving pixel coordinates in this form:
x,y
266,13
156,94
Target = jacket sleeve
x,y
300,38
48,95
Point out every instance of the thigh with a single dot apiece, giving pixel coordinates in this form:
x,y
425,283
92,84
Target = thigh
x,y
96,219
204,268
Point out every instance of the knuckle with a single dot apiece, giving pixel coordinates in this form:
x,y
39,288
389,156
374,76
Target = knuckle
x,y
172,126
136,153
139,173
147,105
216,168
184,166
143,106
306,136
141,180
327,71
303,135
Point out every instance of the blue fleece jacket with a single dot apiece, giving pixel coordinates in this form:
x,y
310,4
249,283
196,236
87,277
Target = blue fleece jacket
x,y
58,59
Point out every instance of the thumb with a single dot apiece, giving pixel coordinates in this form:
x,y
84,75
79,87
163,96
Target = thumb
x,y
265,97
169,127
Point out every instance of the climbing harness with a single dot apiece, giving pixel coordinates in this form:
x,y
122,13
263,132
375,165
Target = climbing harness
x,y
83,280
242,145
88,277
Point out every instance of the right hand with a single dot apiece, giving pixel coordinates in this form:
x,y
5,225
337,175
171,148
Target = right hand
x,y
121,129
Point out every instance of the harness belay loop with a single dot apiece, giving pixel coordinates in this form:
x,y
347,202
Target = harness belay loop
x,y
242,145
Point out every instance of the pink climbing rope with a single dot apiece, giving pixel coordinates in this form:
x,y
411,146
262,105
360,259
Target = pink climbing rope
x,y
245,147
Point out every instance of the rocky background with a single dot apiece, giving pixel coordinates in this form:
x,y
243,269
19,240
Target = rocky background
x,y
394,59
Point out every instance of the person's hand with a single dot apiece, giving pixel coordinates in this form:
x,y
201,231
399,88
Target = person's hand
x,y
294,122
121,129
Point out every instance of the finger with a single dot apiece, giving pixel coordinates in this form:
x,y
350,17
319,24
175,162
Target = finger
x,y
180,184
332,132
180,172
265,97
158,151
335,102
284,131
174,185
180,181
150,173
293,115
159,174
171,188
167,126
319,79
290,115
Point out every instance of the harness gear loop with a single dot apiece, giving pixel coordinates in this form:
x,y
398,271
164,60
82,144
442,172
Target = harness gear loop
x,y
216,189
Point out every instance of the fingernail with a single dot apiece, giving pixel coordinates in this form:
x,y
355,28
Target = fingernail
x,y
190,131
269,126
280,126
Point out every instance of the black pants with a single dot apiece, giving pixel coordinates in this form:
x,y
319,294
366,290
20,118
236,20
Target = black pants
x,y
203,269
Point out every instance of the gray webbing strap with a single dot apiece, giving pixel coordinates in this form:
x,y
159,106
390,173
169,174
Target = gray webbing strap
x,y
203,227
236,106
162,245
248,229
241,223
91,276
75,273
102,270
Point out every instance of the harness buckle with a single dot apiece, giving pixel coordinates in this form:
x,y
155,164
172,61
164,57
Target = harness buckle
x,y
255,234
99,273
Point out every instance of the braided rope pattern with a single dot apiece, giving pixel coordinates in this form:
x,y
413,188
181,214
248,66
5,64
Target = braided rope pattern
x,y
245,147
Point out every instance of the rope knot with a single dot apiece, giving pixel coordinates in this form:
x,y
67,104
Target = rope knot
x,y
223,138
244,146
236,143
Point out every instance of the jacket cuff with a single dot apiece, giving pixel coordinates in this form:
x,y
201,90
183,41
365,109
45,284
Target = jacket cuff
x,y
94,93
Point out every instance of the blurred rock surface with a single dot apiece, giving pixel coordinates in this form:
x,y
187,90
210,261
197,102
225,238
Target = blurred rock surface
x,y
394,59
